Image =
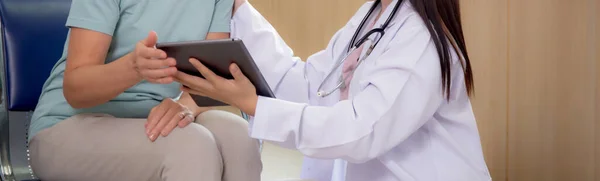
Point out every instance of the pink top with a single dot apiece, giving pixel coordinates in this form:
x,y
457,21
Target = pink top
x,y
349,65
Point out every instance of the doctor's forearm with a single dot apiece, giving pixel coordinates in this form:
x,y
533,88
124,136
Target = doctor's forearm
x,y
248,106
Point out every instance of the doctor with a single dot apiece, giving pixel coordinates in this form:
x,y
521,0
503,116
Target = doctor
x,y
388,99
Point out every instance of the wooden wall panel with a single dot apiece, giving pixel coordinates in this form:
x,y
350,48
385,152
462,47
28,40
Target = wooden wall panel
x,y
307,25
551,83
485,27
597,56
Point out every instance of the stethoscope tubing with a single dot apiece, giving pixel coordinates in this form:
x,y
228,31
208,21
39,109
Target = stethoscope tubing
x,y
354,45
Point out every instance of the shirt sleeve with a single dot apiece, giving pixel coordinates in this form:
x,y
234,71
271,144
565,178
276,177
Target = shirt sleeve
x,y
221,17
97,15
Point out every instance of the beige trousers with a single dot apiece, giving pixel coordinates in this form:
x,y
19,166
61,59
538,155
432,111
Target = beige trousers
x,y
95,147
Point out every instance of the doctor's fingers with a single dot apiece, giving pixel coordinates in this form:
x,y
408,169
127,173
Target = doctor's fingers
x,y
207,73
193,82
237,74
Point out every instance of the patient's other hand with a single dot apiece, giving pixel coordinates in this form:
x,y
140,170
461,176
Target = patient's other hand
x,y
167,116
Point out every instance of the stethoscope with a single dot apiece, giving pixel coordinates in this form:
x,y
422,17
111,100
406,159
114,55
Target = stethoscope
x,y
354,45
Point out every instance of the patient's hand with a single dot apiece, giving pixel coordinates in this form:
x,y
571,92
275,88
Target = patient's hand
x,y
152,64
165,117
237,4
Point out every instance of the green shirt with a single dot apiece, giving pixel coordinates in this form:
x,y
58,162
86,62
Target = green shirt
x,y
128,22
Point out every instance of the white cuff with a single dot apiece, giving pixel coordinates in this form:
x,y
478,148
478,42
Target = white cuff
x,y
275,120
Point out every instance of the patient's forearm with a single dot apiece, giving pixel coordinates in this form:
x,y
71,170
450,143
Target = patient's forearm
x,y
92,85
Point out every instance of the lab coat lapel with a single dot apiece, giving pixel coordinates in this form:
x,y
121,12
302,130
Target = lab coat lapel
x,y
391,29
339,51
390,33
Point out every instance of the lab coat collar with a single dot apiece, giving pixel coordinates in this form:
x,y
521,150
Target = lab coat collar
x,y
387,13
362,12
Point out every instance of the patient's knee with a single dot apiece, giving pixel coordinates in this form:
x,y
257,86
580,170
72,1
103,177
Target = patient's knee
x,y
230,131
192,153
192,142
193,133
223,122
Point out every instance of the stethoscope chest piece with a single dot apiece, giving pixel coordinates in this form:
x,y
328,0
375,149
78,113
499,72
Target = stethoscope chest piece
x,y
320,94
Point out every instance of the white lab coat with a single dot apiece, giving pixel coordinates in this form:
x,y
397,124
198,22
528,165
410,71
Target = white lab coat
x,y
396,124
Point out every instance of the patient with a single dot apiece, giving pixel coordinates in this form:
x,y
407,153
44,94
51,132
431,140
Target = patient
x,y
111,111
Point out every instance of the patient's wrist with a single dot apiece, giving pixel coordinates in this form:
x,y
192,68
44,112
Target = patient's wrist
x,y
199,110
130,62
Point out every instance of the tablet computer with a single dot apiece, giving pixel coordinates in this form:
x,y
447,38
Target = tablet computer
x,y
217,55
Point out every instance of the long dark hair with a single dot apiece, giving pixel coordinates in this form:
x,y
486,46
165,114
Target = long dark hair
x,y
442,18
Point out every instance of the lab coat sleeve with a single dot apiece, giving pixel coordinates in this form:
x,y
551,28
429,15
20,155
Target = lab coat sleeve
x,y
284,72
399,94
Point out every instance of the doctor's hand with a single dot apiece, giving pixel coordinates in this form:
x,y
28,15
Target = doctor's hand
x,y
167,116
238,92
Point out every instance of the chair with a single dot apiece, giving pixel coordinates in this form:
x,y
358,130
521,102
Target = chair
x,y
33,35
